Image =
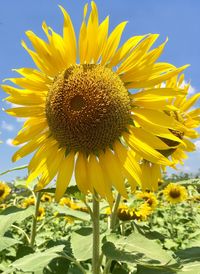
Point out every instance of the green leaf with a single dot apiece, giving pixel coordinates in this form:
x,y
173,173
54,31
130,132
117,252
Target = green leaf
x,y
72,213
189,254
57,265
81,243
36,261
13,214
7,242
135,248
190,268
23,250
142,269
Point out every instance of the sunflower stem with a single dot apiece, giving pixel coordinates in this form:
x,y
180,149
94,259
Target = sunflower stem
x,y
96,238
34,224
114,212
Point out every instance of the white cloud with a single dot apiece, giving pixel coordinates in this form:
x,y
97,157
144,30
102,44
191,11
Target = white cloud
x,y
7,126
9,142
191,89
197,144
20,120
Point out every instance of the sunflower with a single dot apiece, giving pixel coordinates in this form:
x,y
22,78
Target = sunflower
x,y
148,197
72,204
46,198
28,201
180,109
3,206
40,213
175,193
139,213
81,116
4,191
65,201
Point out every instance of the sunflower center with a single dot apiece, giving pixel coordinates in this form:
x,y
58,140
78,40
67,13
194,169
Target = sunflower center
x,y
87,108
174,193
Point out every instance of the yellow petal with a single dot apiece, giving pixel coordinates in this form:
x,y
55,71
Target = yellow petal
x,y
157,118
190,102
83,38
125,50
148,138
128,161
95,176
92,33
101,38
145,151
29,147
158,78
112,43
81,174
65,171
27,111
69,37
138,53
111,166
44,157
30,130
50,168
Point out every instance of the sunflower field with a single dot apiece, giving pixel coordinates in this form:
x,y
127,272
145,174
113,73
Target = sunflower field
x,y
152,232
103,119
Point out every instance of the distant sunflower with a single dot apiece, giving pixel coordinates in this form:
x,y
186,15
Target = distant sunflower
x,y
81,116
175,193
65,201
4,191
149,198
180,109
46,198
28,201
128,213
40,213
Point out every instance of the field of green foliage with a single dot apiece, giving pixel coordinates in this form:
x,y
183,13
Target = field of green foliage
x,y
152,233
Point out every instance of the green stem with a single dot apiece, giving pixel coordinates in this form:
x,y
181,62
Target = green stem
x,y
22,231
34,224
172,212
74,261
13,169
107,266
96,238
114,212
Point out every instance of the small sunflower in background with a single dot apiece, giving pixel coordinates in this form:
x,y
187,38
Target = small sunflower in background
x,y
70,220
175,193
40,213
149,198
28,202
81,116
3,206
65,201
46,198
73,204
140,213
143,212
125,213
4,191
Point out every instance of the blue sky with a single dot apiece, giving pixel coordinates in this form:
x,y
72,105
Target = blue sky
x,y
176,19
